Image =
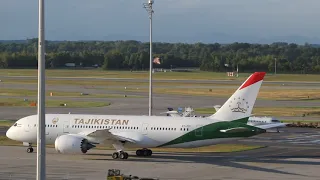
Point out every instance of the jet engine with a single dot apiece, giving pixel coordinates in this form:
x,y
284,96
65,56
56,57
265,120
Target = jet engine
x,y
72,144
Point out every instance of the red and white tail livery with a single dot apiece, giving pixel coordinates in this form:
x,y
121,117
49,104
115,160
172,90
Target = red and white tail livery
x,y
241,103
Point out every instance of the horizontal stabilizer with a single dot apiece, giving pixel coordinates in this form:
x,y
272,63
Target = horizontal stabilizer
x,y
270,126
235,130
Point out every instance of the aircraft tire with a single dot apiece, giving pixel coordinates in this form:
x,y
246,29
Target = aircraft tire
x,y
146,152
123,155
115,155
126,155
139,152
29,150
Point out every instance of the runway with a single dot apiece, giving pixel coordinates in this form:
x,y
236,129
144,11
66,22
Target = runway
x,y
263,164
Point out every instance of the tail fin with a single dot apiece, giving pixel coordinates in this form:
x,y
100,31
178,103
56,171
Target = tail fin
x,y
239,106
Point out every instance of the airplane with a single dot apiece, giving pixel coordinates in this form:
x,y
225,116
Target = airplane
x,y
252,121
256,121
78,133
189,112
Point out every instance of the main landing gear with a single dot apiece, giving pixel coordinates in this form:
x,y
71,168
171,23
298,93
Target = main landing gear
x,y
121,155
144,152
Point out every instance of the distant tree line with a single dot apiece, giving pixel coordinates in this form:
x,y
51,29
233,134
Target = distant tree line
x,y
134,55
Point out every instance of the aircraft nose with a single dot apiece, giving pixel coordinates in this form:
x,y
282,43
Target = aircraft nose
x,y
10,134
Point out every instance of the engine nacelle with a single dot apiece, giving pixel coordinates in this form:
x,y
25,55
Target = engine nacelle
x,y
72,144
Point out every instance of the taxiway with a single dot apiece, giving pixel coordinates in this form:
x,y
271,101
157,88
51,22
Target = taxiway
x,y
263,164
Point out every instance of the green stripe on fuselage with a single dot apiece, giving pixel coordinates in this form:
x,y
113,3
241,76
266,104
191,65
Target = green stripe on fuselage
x,y
212,131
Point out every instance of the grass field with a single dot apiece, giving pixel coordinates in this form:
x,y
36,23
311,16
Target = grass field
x,y
159,75
4,141
269,111
93,83
52,103
30,93
6,123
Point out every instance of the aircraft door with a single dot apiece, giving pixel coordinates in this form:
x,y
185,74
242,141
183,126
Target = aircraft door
x,y
198,131
144,128
66,124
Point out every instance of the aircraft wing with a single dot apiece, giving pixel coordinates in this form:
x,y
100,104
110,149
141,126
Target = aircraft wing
x,y
234,130
107,136
270,126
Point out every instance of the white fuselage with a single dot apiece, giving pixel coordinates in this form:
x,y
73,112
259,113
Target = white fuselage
x,y
156,130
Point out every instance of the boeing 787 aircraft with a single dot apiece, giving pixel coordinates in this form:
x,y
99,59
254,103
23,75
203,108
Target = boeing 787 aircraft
x,y
78,133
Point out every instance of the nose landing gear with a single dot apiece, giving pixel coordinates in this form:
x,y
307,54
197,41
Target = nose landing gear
x,y
30,148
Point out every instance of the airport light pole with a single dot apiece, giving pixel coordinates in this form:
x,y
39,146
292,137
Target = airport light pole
x,y
275,66
148,7
41,141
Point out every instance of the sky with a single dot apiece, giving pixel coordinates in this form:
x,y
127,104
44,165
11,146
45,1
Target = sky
x,y
223,21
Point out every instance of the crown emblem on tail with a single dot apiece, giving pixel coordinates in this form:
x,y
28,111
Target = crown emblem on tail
x,y
241,105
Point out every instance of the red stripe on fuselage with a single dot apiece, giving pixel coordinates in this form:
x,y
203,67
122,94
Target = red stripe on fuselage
x,y
256,77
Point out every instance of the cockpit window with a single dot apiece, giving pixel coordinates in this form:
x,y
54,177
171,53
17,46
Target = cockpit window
x,y
15,124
